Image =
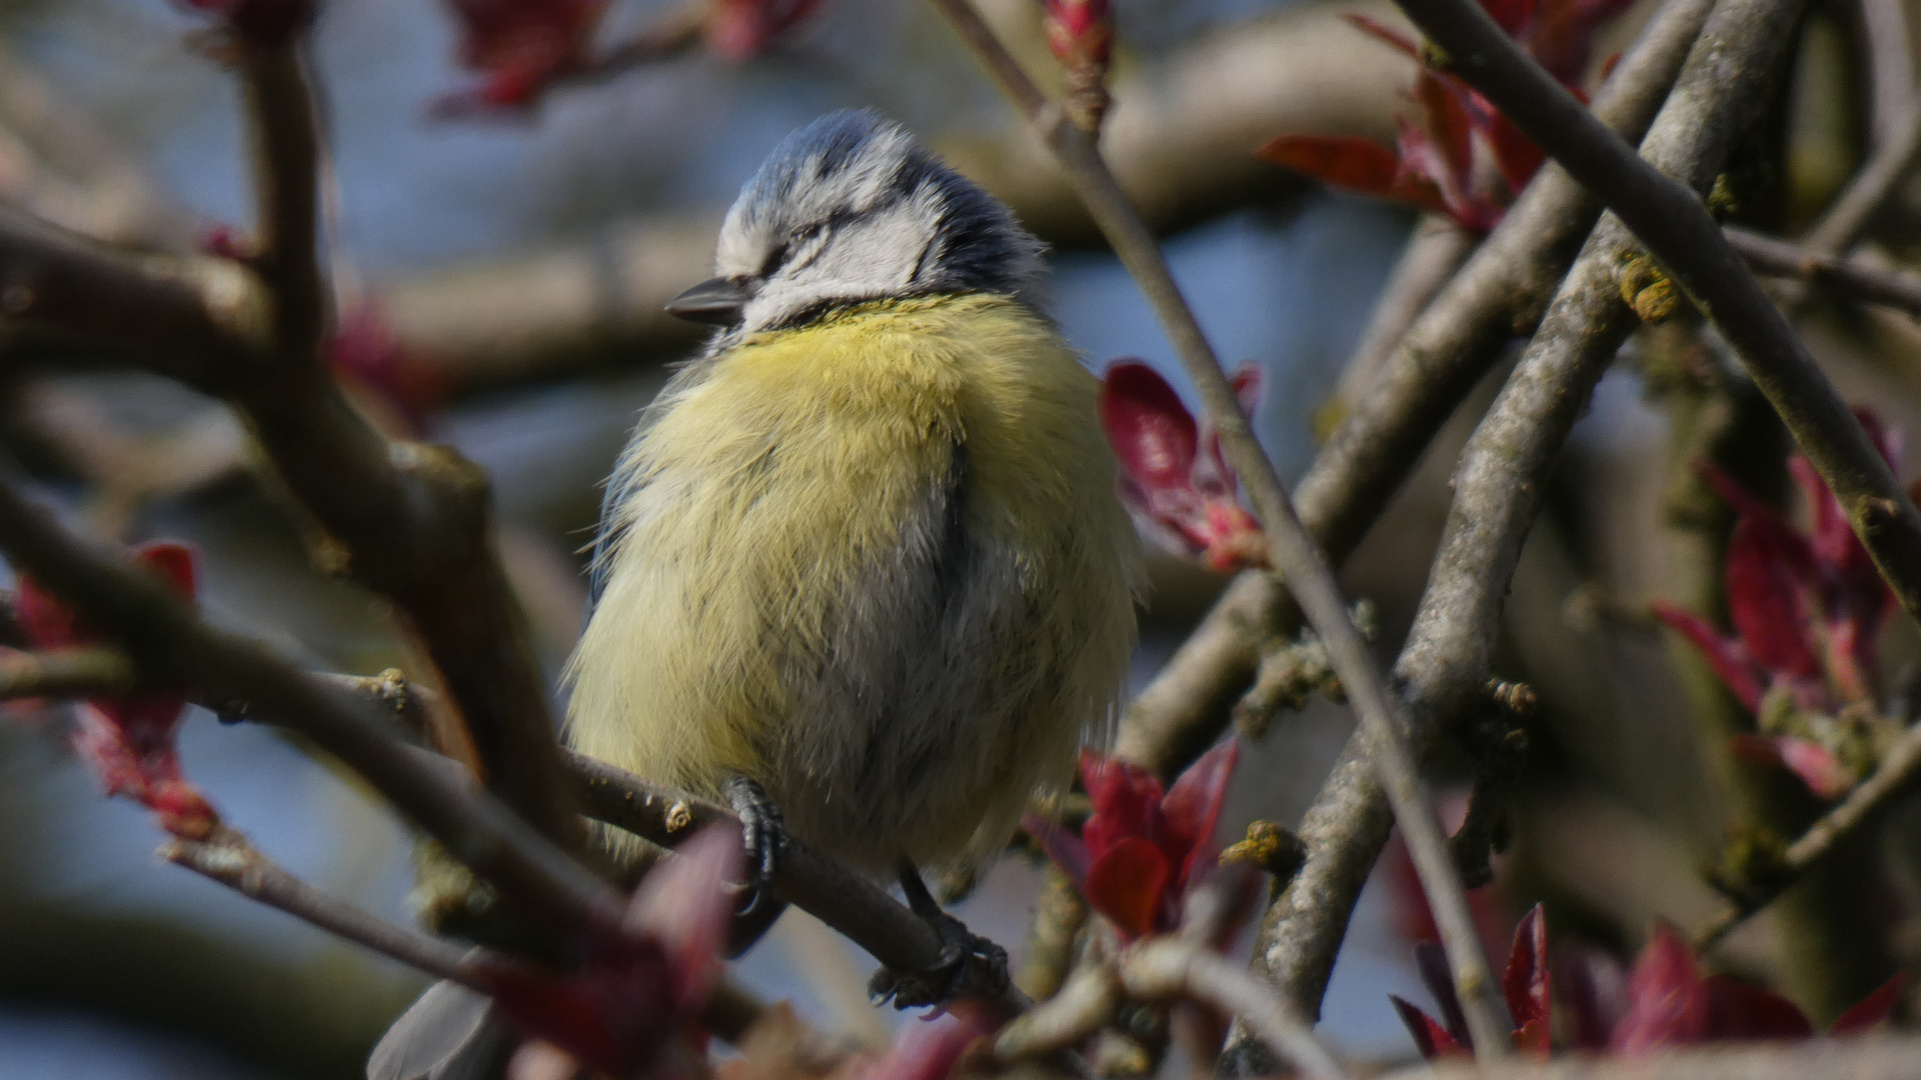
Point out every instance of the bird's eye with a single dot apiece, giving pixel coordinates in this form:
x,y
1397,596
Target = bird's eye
x,y
799,248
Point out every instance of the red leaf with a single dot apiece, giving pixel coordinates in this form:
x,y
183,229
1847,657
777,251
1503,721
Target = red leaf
x,y
1870,1010
1526,983
521,46
1344,161
1126,798
1817,767
1450,124
1192,810
1127,883
1430,962
1737,1010
1665,1004
1430,1038
366,350
1152,433
1729,659
1594,992
742,29
1768,601
1063,848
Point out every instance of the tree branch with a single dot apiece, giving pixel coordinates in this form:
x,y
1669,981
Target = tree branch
x,y
1898,772
1498,487
1857,277
231,859
1293,552
64,673
171,646
1169,968
286,136
1500,291
1672,221
410,521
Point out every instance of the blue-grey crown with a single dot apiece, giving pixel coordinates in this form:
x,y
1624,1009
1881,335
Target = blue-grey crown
x,y
856,163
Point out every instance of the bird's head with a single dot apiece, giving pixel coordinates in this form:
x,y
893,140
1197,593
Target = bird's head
x,y
849,209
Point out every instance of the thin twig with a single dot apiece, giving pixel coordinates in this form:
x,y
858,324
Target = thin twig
x,y
286,137
1856,276
1293,552
1670,218
410,521
1501,291
1171,969
1890,54
65,673
1898,771
1870,189
172,646
230,859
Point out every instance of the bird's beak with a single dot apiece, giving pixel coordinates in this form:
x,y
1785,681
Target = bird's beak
x,y
716,302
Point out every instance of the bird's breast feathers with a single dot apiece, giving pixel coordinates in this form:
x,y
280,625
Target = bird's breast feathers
x,y
876,563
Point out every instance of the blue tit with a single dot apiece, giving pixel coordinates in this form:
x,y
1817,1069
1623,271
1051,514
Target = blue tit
x,y
864,550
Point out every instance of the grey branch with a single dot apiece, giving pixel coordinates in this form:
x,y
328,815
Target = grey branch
x,y
1897,773
65,673
172,646
1500,291
1671,219
1498,487
1857,277
1293,552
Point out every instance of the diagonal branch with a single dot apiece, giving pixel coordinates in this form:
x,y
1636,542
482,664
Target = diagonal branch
x,y
1501,291
1853,275
1503,472
1293,552
1898,773
410,521
171,646
1671,219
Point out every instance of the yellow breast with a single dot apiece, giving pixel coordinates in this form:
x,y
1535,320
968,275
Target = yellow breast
x,y
875,563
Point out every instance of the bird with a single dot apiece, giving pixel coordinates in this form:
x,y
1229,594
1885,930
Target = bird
x,y
862,569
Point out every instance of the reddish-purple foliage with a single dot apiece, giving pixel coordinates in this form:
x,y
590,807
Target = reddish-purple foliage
x,y
266,24
366,351
929,1049
1079,31
1457,154
1807,610
1174,478
128,741
744,29
522,47
1663,1002
519,47
1142,849
633,1006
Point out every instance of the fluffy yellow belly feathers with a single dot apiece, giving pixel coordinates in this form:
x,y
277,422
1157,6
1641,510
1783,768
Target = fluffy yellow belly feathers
x,y
874,563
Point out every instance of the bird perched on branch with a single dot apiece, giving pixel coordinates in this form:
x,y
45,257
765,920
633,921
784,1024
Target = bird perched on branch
x,y
862,567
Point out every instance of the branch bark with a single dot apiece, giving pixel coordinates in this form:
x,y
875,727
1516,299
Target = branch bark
x,y
1501,290
1673,223
1292,552
410,521
171,646
1498,486
1856,277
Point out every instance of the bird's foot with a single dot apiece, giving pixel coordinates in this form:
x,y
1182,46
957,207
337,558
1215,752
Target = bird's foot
x,y
762,834
968,966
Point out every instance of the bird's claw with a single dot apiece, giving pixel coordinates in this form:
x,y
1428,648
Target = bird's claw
x,y
968,965
762,834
